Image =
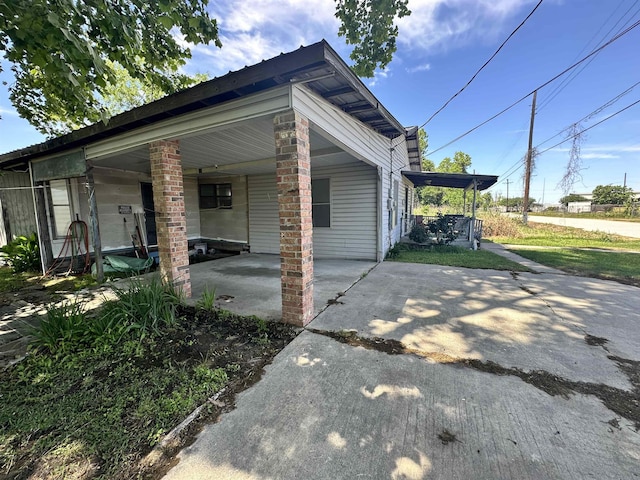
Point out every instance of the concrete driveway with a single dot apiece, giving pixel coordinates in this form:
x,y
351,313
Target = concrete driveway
x,y
544,390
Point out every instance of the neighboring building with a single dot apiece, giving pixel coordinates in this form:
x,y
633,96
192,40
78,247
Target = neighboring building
x,y
292,156
579,207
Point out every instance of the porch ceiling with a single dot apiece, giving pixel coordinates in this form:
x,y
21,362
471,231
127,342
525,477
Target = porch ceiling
x,y
244,148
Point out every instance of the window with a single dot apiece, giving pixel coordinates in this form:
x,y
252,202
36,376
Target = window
x,y
321,202
60,203
215,195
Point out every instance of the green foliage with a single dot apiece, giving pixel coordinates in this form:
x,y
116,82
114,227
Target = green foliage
x,y
611,195
572,197
439,196
60,52
418,234
112,407
443,228
144,306
394,251
369,25
63,329
22,254
515,203
207,301
11,281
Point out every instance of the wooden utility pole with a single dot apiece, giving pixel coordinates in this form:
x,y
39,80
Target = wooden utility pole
x,y
527,171
507,195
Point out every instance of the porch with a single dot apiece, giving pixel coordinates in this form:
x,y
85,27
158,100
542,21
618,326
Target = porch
x,y
249,284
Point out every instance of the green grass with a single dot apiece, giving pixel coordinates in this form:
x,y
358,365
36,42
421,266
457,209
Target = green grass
x,y
102,405
619,266
545,235
12,282
457,257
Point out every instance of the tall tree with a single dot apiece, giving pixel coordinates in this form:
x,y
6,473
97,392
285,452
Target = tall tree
x,y
611,195
62,53
369,26
440,196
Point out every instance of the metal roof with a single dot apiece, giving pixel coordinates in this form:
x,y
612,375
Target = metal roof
x,y
453,180
318,66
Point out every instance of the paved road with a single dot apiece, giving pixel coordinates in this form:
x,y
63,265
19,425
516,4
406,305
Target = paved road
x,y
328,410
627,229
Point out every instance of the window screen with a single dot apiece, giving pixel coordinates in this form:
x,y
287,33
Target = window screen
x,y
60,207
321,202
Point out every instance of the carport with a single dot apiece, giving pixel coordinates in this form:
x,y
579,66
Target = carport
x,y
249,284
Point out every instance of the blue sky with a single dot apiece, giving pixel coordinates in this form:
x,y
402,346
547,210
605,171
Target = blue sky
x,y
440,46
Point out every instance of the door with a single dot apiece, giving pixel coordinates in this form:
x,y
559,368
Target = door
x,y
149,213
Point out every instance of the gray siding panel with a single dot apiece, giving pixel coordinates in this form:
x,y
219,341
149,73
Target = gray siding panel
x,y
353,212
264,223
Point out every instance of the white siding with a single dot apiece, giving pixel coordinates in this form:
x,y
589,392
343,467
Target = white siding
x,y
227,223
264,223
192,208
113,188
353,212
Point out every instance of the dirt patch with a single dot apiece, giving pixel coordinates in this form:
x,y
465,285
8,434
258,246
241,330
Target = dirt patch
x,y
595,341
624,403
446,437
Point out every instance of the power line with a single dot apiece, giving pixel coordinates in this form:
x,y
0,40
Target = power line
x,y
595,112
556,91
589,128
484,65
594,52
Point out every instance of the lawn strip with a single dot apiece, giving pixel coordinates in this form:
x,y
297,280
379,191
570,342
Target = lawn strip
x,y
458,257
623,267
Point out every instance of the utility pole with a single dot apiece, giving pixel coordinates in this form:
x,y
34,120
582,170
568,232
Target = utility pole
x,y
625,180
527,171
507,195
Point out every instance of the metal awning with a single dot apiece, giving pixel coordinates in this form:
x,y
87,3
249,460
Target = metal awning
x,y
452,180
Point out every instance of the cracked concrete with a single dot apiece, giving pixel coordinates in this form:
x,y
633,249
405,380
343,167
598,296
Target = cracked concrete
x,y
327,409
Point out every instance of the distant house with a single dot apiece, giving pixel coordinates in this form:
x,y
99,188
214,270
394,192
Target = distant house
x,y
292,156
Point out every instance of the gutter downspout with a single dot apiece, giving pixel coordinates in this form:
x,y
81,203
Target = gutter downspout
x,y
379,220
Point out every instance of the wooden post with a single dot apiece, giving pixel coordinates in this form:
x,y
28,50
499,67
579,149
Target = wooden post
x,y
94,224
527,171
473,211
42,226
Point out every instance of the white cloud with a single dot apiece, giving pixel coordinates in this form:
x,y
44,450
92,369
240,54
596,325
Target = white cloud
x,y
598,156
254,31
425,67
443,24
378,76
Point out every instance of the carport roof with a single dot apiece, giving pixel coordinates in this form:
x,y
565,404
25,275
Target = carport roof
x,y
318,66
453,180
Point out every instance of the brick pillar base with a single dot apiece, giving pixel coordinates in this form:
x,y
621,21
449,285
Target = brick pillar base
x,y
171,220
293,171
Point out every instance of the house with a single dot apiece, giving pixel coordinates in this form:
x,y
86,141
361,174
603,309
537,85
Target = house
x,y
292,156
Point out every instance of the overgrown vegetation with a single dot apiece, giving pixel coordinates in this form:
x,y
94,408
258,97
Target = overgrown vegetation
x,y
542,234
22,254
99,391
455,257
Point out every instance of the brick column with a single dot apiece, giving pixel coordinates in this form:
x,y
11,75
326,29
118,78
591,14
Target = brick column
x,y
171,220
293,171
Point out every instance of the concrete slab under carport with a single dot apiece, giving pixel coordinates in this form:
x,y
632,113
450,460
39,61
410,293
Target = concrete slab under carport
x,y
249,284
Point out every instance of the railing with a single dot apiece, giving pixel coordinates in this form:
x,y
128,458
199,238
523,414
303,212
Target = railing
x,y
462,225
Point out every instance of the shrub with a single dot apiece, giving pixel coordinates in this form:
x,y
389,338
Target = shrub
x,y
63,329
22,254
497,225
418,234
143,306
444,229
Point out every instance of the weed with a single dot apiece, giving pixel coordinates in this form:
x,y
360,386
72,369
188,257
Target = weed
x,y
63,329
207,300
496,225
